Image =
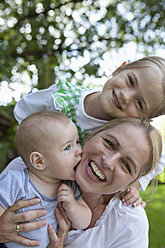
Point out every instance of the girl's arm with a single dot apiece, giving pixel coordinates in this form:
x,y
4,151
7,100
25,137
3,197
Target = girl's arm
x,y
35,102
144,181
9,220
132,196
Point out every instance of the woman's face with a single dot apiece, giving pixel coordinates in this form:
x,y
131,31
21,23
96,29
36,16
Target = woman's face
x,y
112,159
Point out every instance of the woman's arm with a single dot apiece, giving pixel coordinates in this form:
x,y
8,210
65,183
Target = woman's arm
x,y
10,219
57,239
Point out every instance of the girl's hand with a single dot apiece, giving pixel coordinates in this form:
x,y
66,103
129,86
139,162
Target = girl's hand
x,y
9,221
133,197
57,239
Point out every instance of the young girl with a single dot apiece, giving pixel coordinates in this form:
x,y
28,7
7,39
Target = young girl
x,y
134,90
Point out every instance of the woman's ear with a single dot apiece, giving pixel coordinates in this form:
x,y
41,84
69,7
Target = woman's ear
x,y
37,160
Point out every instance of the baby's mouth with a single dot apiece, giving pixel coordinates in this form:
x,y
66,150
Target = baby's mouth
x,y
76,165
115,100
96,173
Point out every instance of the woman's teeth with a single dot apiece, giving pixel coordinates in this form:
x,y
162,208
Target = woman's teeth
x,y
96,171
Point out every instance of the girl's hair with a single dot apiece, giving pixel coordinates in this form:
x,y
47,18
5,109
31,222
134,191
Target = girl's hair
x,y
34,131
154,61
152,134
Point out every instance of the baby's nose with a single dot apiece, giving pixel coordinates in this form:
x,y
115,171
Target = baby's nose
x,y
78,151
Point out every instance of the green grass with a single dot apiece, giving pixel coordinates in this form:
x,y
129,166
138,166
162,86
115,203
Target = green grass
x,y
156,215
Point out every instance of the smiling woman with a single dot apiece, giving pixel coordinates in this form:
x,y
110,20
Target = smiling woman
x,y
108,154
113,157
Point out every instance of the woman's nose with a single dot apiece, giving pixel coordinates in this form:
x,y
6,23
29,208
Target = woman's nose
x,y
110,161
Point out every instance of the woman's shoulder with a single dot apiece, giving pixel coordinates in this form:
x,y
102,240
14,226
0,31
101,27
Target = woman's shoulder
x,y
137,214
130,220
119,226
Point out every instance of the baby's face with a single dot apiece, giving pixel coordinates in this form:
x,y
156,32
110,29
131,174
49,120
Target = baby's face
x,y
64,152
132,92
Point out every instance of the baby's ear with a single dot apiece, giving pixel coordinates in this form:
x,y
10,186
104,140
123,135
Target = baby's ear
x,y
37,160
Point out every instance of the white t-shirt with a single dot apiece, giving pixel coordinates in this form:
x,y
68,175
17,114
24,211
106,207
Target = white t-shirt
x,y
118,227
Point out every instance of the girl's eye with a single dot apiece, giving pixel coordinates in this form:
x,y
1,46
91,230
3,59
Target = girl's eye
x,y
140,104
68,148
131,81
77,142
126,165
110,144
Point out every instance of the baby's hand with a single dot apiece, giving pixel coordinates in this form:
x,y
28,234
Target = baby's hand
x,y
66,197
133,197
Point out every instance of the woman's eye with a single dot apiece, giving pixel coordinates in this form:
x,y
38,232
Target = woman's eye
x,y
126,165
140,104
68,148
131,81
110,144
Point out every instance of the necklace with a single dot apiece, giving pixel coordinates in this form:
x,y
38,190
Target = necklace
x,y
101,199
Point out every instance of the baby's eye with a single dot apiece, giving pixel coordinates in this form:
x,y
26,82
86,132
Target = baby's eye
x,y
131,81
67,148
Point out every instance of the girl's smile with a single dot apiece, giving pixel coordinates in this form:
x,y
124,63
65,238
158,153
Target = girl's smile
x,y
115,100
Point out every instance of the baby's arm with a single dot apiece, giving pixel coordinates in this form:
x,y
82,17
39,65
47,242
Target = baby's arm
x,y
2,210
77,210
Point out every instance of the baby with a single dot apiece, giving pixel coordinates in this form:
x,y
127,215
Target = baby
x,y
48,143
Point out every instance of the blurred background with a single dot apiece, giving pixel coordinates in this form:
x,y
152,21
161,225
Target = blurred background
x,y
83,42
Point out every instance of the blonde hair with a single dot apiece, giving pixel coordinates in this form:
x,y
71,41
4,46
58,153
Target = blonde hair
x,y
154,61
35,130
152,134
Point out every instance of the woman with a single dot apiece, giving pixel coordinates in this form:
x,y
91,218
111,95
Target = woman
x,y
112,160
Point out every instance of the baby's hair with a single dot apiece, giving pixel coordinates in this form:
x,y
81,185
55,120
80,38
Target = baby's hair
x,y
152,134
35,130
154,61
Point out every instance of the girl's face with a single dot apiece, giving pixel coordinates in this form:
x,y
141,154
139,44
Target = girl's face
x,y
112,159
131,92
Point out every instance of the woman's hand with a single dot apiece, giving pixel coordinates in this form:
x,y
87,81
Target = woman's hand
x,y
57,239
9,221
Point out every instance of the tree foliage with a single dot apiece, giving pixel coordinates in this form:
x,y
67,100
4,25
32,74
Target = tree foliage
x,y
53,35
46,38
